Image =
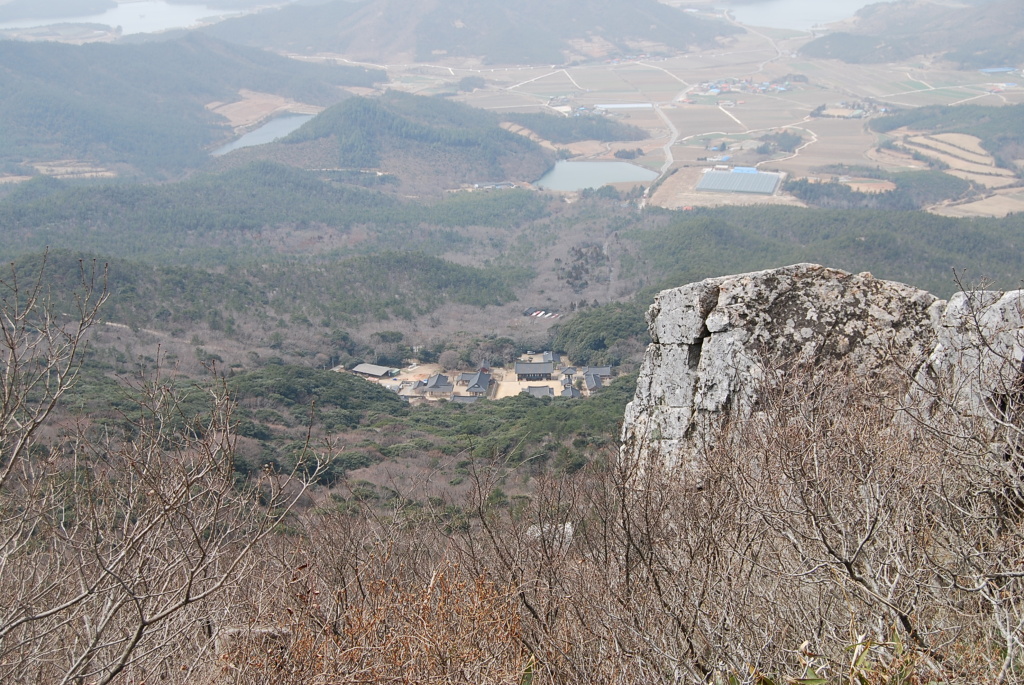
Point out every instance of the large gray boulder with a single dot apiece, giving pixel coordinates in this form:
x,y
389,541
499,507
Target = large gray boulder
x,y
714,341
972,383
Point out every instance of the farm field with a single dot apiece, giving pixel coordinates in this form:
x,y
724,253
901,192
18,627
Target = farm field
x,y
831,141
718,97
997,205
699,121
979,168
651,85
253,108
894,160
977,157
962,141
987,180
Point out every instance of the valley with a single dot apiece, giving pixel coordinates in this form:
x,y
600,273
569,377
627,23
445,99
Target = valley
x,y
316,371
752,101
732,97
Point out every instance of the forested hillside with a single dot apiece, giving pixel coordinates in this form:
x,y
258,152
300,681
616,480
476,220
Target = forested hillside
x,y
426,142
140,109
561,130
912,247
533,31
222,218
269,212
411,144
270,262
983,35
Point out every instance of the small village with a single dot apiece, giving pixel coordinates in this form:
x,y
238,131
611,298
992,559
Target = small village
x,y
750,86
539,374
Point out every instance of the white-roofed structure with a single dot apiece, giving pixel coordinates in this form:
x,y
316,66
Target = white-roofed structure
x,y
758,182
374,370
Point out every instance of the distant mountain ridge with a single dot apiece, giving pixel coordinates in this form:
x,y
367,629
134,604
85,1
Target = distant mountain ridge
x,y
990,34
529,31
141,108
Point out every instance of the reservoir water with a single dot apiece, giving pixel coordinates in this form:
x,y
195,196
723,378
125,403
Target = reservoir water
x,y
148,16
579,175
267,133
801,15
145,16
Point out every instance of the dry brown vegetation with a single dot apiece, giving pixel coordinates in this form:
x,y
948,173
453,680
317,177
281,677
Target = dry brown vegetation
x,y
253,108
823,540
841,533
999,204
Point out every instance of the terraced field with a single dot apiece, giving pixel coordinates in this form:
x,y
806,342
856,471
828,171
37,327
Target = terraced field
x,y
965,158
962,141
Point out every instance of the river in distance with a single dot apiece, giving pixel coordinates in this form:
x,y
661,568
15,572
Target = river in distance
x,y
800,15
149,16
570,176
267,133
145,16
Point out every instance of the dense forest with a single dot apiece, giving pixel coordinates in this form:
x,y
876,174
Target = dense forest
x,y
912,247
213,219
229,218
603,335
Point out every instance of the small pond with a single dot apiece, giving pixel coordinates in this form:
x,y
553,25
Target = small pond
x,y
570,176
267,133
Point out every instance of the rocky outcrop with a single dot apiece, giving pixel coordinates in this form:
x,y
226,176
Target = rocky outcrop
x,y
973,380
712,342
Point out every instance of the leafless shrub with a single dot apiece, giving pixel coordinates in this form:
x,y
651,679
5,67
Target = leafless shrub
x,y
851,529
369,600
828,535
113,541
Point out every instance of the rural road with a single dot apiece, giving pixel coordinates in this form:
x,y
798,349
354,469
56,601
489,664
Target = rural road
x,y
673,131
673,137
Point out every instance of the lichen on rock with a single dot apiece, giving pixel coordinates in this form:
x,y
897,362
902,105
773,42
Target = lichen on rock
x,y
714,341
